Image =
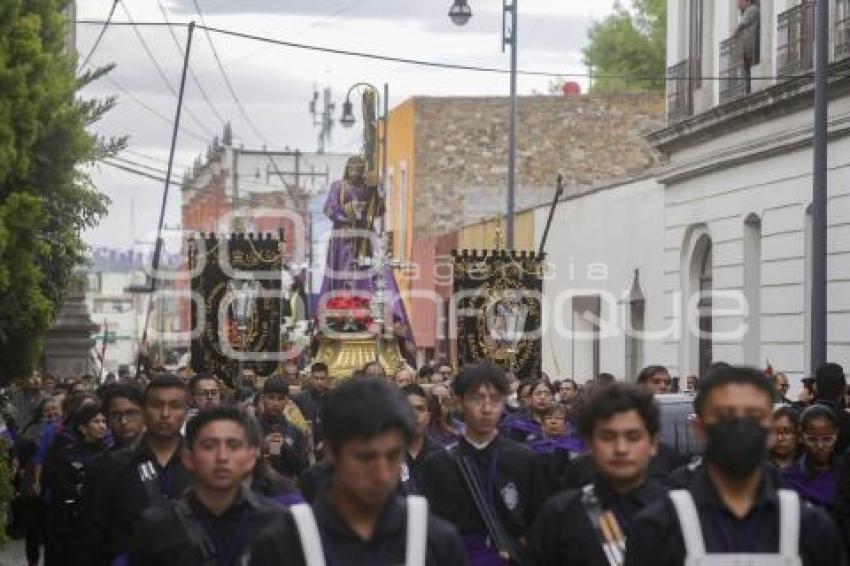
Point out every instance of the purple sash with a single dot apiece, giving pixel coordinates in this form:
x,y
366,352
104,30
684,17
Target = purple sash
x,y
479,552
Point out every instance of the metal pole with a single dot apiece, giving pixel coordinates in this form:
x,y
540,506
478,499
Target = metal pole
x,y
512,135
819,189
158,249
385,169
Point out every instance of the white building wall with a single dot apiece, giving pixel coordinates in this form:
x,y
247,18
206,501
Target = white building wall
x,y
777,188
596,243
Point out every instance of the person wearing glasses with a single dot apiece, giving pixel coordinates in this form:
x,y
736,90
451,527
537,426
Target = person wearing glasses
x,y
815,475
488,486
206,392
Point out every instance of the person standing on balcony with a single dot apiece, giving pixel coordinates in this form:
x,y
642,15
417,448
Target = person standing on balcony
x,y
747,36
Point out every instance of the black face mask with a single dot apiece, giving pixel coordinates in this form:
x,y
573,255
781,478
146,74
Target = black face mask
x,y
737,446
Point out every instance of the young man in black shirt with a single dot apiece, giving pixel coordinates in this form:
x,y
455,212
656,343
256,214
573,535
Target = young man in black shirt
x,y
488,486
148,474
619,424
215,521
285,445
420,446
359,519
733,506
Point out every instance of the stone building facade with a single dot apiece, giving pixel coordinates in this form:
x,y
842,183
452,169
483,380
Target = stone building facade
x,y
448,156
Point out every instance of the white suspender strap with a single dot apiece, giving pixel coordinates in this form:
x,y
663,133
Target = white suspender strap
x,y
308,532
688,523
789,523
417,530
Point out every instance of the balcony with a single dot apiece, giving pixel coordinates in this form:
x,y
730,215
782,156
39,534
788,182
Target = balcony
x,y
679,92
795,40
733,78
842,30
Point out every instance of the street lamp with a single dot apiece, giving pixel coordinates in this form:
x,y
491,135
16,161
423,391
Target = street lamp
x,y
348,120
460,13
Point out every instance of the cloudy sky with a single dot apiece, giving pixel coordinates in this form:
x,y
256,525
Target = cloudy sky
x,y
275,83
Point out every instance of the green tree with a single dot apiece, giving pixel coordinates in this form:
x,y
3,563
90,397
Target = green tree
x,y
629,44
46,199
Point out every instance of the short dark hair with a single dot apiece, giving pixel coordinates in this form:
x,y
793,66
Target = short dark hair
x,y
472,377
165,381
86,413
605,377
723,374
365,407
319,366
124,391
193,382
817,412
223,413
414,389
648,372
830,381
607,401
789,412
425,372
276,385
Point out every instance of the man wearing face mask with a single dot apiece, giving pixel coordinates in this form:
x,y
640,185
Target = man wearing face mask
x,y
733,512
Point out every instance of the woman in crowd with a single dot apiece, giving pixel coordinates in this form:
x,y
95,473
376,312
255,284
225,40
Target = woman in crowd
x,y
786,431
443,430
557,448
28,507
62,479
528,427
815,475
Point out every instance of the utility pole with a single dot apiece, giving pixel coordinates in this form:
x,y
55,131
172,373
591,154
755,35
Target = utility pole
x,y
323,118
819,188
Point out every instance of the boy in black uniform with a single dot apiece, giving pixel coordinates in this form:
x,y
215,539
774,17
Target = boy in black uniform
x,y
589,527
733,507
359,519
148,474
488,486
214,522
420,446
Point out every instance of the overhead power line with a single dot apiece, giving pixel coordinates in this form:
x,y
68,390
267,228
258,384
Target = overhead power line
x,y
153,110
451,66
99,36
227,82
194,76
166,81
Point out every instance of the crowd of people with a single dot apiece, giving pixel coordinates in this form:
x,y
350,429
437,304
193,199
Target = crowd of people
x,y
428,467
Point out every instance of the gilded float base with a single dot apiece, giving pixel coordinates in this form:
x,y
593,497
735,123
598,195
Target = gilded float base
x,y
344,355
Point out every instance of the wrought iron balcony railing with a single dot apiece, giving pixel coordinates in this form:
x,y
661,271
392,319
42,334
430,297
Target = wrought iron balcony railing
x,y
795,40
679,92
842,30
734,80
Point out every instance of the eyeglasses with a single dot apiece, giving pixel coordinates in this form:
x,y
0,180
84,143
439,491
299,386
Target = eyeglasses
x,y
542,394
209,393
816,441
118,416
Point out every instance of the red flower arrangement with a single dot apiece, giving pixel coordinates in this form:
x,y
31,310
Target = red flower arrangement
x,y
347,313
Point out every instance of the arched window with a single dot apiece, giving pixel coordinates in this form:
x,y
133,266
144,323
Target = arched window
x,y
696,344
752,289
635,315
705,308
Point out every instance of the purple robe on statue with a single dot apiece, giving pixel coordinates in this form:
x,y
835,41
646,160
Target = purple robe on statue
x,y
342,269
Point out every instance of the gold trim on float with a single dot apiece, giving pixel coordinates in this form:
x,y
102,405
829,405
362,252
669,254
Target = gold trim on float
x,y
347,354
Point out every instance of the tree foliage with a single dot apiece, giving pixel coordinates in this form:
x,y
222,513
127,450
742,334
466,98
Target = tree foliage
x,y
629,44
46,200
